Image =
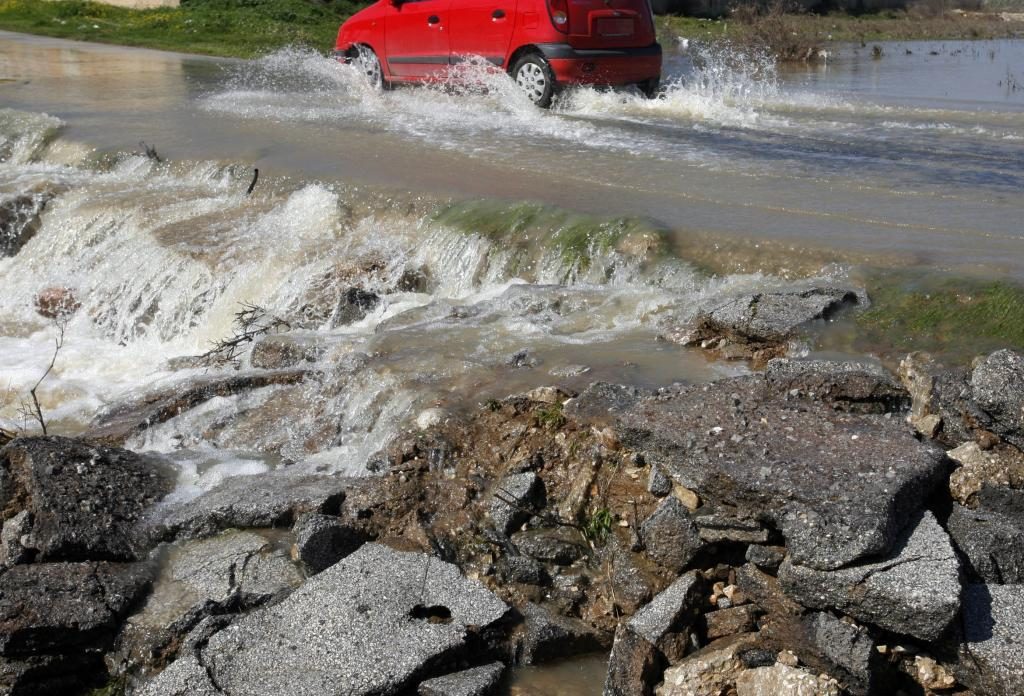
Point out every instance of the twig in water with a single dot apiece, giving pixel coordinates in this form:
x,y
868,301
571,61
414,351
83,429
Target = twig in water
x,y
251,322
34,410
255,178
150,152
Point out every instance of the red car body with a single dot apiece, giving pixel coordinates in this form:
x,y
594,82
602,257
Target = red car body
x,y
598,42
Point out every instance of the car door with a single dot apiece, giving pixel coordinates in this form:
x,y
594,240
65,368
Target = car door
x,y
416,38
482,28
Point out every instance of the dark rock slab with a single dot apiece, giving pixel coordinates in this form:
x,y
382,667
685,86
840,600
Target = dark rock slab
x,y
726,622
376,622
993,544
644,645
758,325
120,422
267,500
478,681
19,220
548,636
669,536
840,485
848,649
323,540
857,387
354,304
523,570
84,502
997,385
992,654
514,500
915,590
766,557
723,528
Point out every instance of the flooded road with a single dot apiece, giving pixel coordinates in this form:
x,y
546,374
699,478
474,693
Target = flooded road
x,y
915,157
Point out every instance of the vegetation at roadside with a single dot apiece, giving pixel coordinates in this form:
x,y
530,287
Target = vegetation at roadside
x,y
957,318
236,28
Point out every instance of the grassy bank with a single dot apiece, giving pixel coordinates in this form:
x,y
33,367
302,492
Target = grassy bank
x,y
247,28
238,28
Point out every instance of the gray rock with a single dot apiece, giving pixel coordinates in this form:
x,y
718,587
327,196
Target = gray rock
x,y
547,636
57,620
15,532
370,624
266,500
849,649
561,546
993,544
718,528
766,557
353,305
997,385
231,572
479,681
992,653
726,622
632,585
658,484
84,502
277,351
669,536
522,569
644,645
186,676
942,406
783,679
845,386
514,500
913,591
764,320
602,401
840,485
323,540
19,220
523,358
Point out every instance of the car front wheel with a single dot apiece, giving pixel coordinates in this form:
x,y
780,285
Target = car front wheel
x,y
365,61
534,76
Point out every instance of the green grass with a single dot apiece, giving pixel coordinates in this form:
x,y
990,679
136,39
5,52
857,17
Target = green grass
x,y
953,317
238,28
598,526
550,417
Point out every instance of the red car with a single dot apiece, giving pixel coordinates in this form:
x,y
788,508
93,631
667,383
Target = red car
x,y
542,44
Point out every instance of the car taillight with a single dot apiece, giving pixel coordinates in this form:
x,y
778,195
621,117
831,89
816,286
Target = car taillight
x,y
559,10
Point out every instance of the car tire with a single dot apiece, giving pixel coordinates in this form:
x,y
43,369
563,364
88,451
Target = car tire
x,y
650,88
363,59
534,76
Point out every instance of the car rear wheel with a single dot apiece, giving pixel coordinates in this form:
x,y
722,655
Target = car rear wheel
x,y
365,61
649,88
534,76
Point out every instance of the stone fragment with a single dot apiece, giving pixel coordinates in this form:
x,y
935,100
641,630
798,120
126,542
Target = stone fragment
x,y
839,485
928,673
658,484
992,653
478,681
913,591
334,630
547,636
657,632
522,569
669,536
766,557
1002,466
354,304
711,670
277,351
782,679
726,622
632,586
265,500
992,543
719,528
84,502
323,540
997,385
847,648
515,499
20,219
15,531
561,546
601,402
